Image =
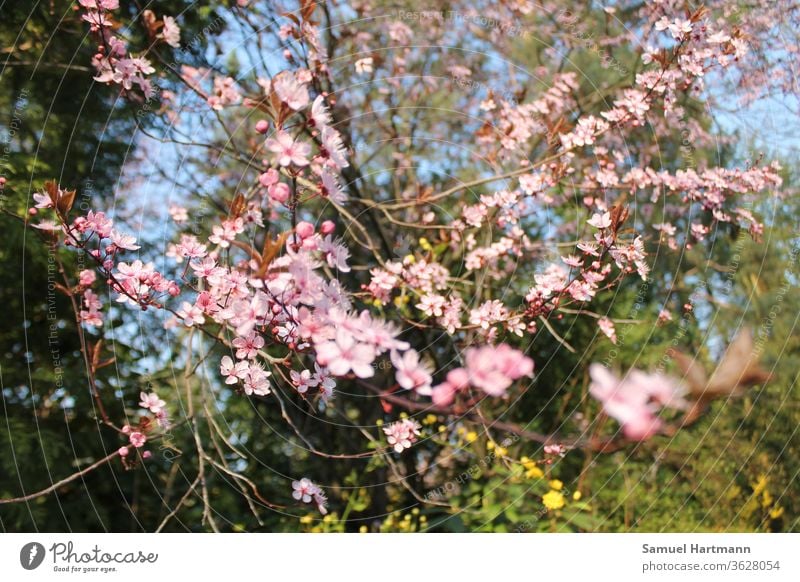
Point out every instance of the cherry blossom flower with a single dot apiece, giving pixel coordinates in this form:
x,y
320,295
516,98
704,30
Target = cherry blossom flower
x,y
432,305
320,115
336,254
86,277
191,314
290,90
287,151
634,400
151,402
332,142
248,347
410,373
92,314
600,220
42,200
331,188
225,93
256,380
607,327
233,372
344,354
364,65
124,241
304,380
137,439
171,32
402,434
307,491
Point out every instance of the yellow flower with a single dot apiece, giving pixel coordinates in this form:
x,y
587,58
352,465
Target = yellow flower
x,y
556,484
306,519
553,500
425,244
430,419
776,512
363,529
760,485
532,471
501,451
577,496
472,436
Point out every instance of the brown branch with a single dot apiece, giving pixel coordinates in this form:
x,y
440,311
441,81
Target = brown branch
x,y
64,481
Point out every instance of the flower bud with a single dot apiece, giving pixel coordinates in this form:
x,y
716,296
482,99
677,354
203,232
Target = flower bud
x,y
279,192
304,229
268,178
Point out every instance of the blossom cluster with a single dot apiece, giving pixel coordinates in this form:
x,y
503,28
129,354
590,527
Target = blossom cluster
x,y
402,434
635,399
112,61
298,283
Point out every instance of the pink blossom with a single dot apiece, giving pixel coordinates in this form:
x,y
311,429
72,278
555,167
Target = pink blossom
x,y
555,449
344,354
304,380
402,434
410,373
493,369
287,151
178,213
600,220
233,372
320,115
290,91
336,254
634,400
137,439
364,65
331,188
124,241
307,491
171,32
607,327
42,200
86,277
256,380
151,402
191,314
332,142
